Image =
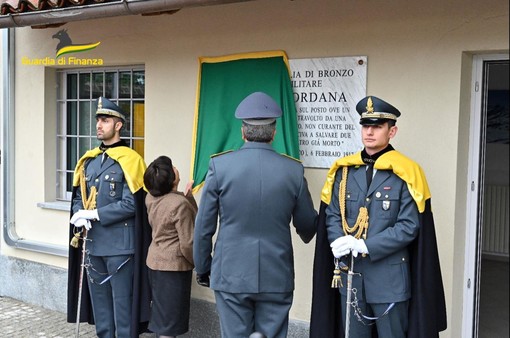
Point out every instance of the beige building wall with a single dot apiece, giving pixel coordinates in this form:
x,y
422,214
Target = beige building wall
x,y
419,59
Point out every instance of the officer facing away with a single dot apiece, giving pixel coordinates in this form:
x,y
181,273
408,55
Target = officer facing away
x,y
255,192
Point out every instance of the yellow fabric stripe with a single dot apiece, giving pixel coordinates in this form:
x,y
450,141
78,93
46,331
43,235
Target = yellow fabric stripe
x,y
217,59
402,166
92,153
410,172
251,55
348,161
223,152
131,162
292,158
195,123
198,187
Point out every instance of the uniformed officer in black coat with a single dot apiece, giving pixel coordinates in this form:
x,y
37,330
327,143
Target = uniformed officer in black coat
x,y
376,212
111,176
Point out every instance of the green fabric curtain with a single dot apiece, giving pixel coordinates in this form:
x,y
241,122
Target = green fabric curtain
x,y
223,83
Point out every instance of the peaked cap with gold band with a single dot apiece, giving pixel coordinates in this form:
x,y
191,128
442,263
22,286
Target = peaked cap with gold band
x,y
402,166
375,111
108,108
132,164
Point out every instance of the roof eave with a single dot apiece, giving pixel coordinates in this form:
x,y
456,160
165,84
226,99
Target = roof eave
x,y
59,16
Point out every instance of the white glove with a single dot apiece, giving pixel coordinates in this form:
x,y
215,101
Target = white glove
x,y
82,222
345,244
337,247
85,214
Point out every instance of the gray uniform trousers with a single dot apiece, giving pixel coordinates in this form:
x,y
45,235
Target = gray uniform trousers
x,y
244,313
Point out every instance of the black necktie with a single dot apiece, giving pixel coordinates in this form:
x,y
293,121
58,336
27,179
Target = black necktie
x,y
105,156
370,173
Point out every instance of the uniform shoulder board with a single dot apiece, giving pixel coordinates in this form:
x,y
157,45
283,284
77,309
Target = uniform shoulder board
x,y
223,152
292,158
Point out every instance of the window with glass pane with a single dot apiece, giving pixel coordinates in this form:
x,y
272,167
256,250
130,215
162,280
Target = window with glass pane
x,y
76,106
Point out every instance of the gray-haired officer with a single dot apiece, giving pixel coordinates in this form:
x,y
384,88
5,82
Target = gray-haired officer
x,y
111,176
255,192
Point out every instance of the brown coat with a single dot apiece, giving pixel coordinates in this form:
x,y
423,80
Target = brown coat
x,y
172,218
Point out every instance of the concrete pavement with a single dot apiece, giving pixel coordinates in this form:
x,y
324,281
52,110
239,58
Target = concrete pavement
x,y
21,320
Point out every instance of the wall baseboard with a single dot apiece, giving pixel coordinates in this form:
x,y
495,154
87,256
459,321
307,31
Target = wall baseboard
x,y
42,285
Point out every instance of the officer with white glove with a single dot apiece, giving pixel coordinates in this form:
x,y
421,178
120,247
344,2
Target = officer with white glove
x,y
82,222
345,244
83,217
85,214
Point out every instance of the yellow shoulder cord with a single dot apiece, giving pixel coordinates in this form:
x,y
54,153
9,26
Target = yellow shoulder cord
x,y
360,227
88,203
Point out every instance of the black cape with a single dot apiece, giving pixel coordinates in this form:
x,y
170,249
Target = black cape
x,y
427,307
141,289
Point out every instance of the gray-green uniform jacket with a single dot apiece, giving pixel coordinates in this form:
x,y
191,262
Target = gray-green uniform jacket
x,y
255,193
114,233
393,225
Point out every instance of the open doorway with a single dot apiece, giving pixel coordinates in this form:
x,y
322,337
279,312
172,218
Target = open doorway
x,y
492,266
494,263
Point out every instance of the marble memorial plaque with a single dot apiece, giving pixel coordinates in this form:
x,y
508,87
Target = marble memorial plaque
x,y
326,91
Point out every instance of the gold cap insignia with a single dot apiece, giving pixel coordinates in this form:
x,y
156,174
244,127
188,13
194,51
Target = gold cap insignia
x,y
100,103
370,105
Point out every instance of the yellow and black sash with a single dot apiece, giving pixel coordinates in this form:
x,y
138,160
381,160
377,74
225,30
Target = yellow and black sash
x,y
402,166
131,163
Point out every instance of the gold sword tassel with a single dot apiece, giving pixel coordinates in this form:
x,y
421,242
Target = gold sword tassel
x,y
88,204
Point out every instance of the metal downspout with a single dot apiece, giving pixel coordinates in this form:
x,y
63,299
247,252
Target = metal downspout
x,y
8,157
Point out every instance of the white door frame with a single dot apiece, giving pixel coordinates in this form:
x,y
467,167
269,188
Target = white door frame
x,y
474,207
